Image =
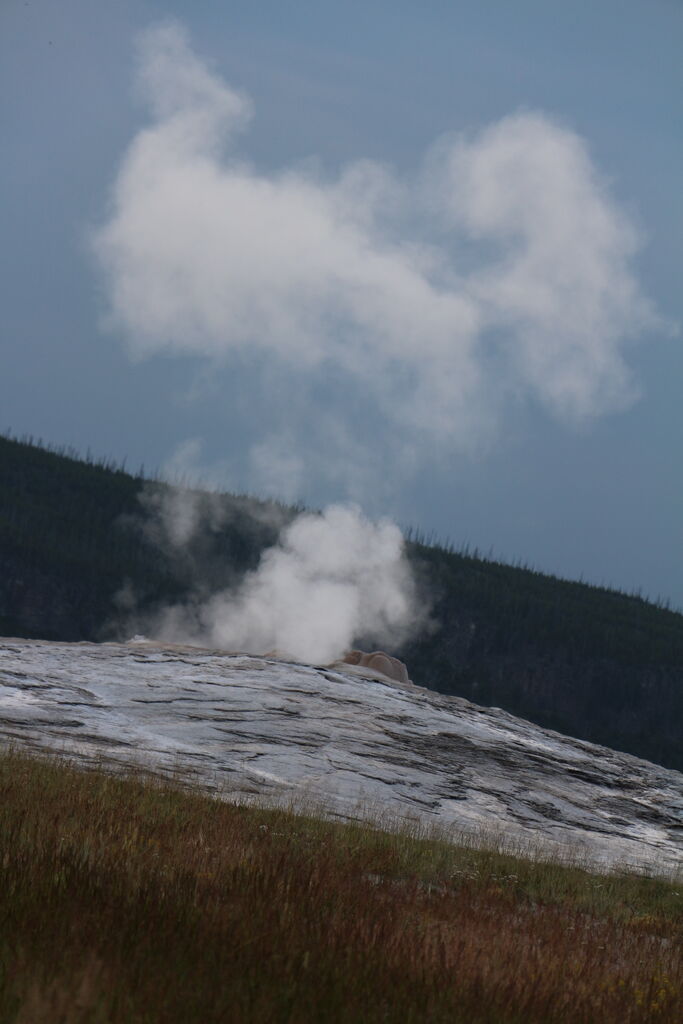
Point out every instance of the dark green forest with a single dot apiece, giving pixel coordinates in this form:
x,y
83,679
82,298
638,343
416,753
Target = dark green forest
x,y
79,561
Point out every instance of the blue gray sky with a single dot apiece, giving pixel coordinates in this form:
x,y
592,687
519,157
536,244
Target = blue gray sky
x,y
422,257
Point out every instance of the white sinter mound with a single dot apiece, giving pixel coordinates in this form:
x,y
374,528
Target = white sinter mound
x,y
342,735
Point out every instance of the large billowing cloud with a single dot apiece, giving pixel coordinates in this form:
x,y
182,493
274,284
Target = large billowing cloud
x,y
500,272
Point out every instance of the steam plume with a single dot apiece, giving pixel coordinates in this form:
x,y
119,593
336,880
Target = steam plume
x,y
330,579
501,271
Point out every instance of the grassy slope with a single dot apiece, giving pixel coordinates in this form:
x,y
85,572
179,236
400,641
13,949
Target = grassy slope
x,y
128,900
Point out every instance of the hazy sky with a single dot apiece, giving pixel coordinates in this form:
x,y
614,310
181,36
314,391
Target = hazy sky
x,y
422,256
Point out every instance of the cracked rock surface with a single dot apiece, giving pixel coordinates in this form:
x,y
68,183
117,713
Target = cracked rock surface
x,y
340,736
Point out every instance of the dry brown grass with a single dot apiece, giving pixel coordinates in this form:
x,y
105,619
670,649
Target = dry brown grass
x,y
128,900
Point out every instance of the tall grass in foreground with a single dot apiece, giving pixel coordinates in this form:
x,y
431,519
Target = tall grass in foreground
x,y
128,900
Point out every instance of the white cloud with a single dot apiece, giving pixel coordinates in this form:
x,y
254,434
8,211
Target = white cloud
x,y
203,254
561,284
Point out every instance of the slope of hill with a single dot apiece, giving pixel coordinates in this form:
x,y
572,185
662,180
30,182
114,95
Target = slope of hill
x,y
141,899
344,738
586,661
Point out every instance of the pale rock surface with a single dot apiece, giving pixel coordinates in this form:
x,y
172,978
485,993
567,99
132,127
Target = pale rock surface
x,y
347,736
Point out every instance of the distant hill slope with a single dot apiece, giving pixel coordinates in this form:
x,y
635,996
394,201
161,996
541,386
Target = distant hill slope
x,y
589,662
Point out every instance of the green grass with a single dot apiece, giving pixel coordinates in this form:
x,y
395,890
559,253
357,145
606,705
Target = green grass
x,y
137,900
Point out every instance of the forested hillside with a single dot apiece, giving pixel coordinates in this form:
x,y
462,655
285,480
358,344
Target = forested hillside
x,y
590,662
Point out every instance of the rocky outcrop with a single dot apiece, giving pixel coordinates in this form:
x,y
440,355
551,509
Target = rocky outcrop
x,y
378,661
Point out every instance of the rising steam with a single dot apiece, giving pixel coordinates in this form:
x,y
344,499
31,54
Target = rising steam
x,y
329,580
500,272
